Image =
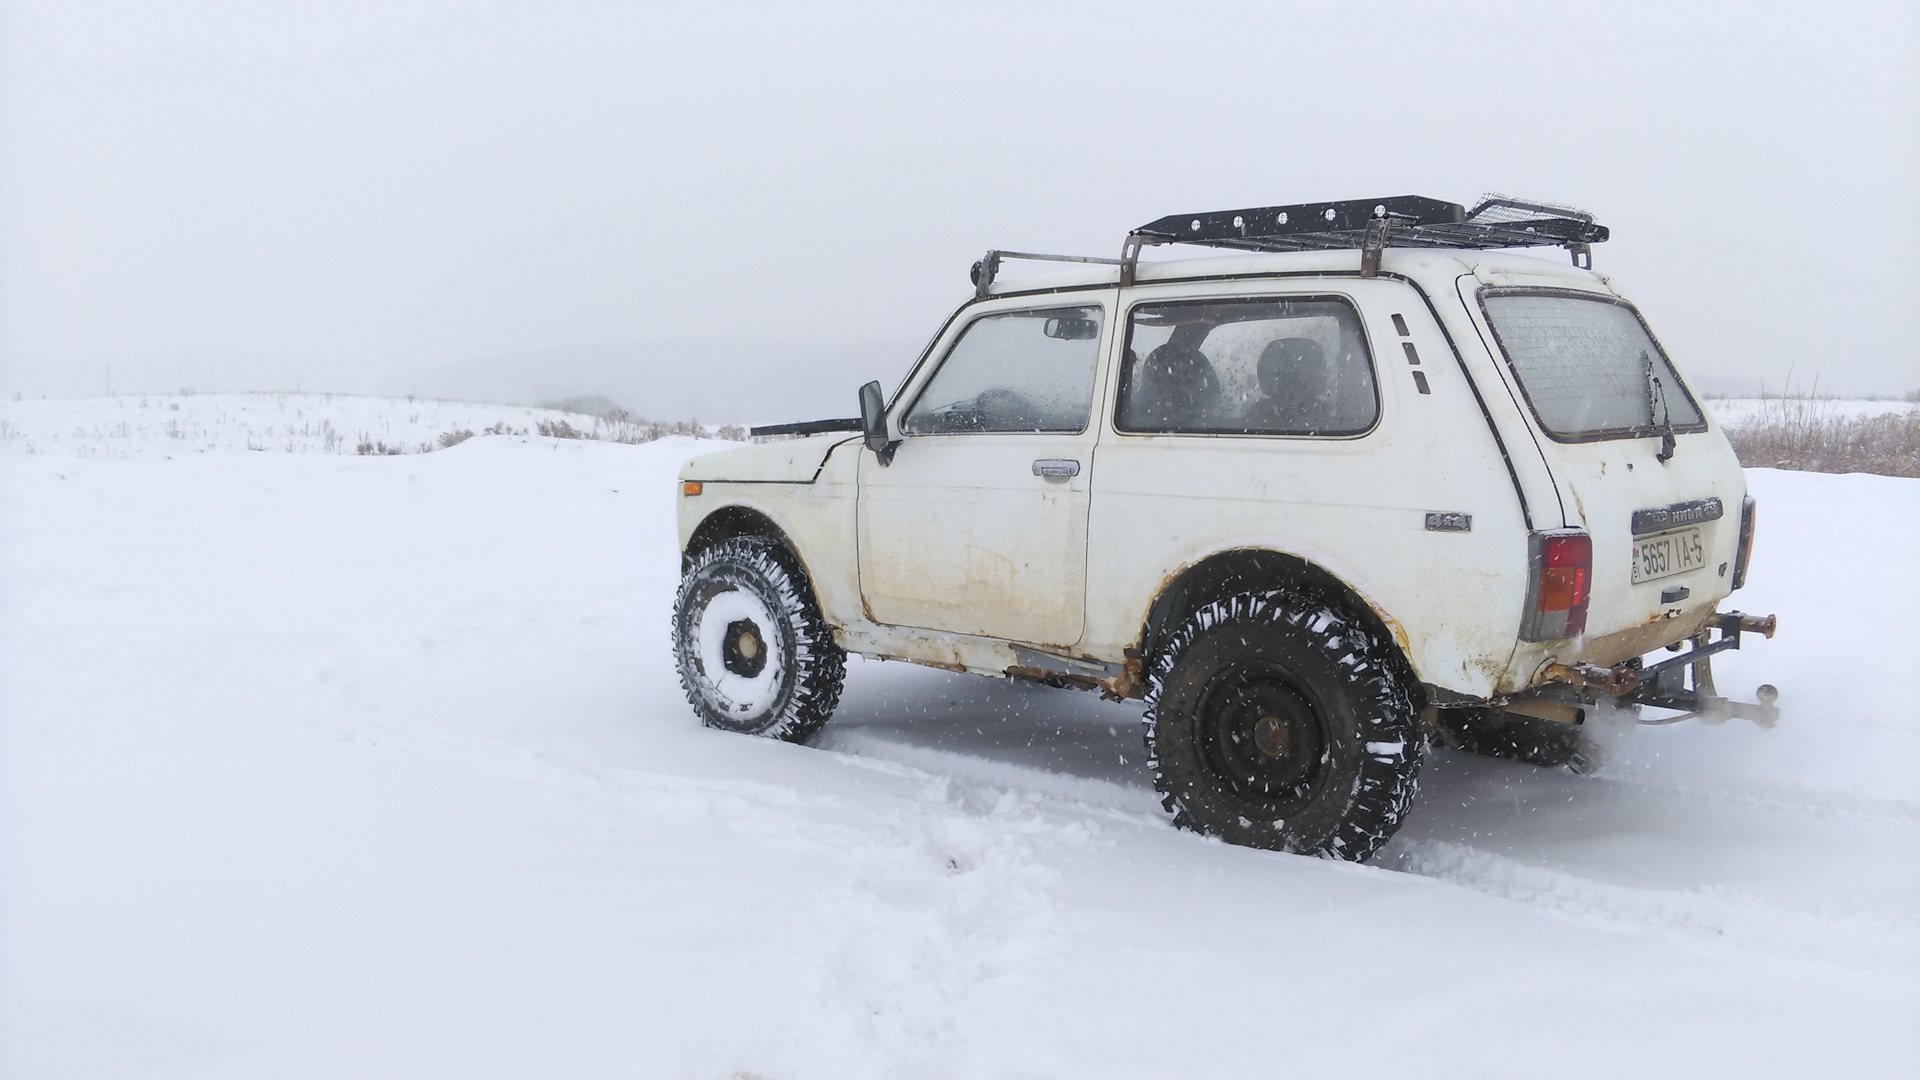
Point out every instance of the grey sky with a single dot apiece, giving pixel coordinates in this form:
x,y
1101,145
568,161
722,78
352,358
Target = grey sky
x,y
346,195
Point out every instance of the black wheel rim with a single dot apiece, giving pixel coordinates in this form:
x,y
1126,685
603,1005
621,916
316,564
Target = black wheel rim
x,y
1262,739
743,651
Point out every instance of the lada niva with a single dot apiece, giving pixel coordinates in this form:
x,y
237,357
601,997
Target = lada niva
x,y
1366,480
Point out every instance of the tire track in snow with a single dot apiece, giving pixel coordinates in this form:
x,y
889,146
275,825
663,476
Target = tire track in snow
x,y
1084,793
1720,917
1776,798
924,880
1847,939
946,922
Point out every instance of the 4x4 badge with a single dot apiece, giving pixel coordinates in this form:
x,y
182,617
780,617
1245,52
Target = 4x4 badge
x,y
1449,522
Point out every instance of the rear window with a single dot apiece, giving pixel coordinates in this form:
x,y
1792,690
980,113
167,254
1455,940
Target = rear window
x,y
1588,366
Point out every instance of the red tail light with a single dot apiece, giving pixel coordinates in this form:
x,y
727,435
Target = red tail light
x,y
1562,581
1748,509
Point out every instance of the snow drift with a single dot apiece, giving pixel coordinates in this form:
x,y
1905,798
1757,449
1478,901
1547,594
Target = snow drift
x,y
318,766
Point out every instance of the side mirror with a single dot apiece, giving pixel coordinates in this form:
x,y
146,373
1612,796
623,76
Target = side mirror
x,y
873,420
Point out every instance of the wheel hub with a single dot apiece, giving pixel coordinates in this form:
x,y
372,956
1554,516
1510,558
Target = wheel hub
x,y
1270,736
742,650
1263,740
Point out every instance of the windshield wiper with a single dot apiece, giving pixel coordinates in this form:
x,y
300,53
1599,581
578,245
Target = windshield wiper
x,y
1657,395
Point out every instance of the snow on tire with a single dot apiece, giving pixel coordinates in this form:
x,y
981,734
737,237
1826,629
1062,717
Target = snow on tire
x,y
1275,720
754,654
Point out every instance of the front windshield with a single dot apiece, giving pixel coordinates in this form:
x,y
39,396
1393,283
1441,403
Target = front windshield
x,y
1588,366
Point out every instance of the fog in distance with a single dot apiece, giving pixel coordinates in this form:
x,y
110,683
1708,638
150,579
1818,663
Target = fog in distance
x,y
740,212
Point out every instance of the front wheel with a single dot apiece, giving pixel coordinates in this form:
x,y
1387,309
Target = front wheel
x,y
1275,720
754,654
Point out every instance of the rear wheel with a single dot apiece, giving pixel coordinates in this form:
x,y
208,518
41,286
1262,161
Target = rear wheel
x,y
1276,721
754,654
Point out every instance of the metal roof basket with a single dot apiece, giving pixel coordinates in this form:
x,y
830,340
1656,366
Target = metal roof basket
x,y
1371,225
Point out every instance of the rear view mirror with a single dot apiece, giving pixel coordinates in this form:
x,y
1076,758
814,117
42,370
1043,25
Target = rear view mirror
x,y
1072,329
873,417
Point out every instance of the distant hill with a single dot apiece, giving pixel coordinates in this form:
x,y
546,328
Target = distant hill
x,y
714,381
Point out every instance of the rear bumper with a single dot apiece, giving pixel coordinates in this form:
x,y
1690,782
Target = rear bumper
x,y
1633,680
1656,633
1664,684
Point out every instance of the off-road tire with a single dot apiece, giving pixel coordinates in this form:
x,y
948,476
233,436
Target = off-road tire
x,y
1276,720
763,661
1529,739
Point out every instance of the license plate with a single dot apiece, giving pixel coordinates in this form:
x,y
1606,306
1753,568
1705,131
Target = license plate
x,y
1667,554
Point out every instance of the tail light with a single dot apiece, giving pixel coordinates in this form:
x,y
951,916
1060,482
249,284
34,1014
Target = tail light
x,y
1561,564
1747,510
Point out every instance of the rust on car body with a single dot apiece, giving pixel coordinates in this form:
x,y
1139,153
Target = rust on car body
x,y
1616,681
960,669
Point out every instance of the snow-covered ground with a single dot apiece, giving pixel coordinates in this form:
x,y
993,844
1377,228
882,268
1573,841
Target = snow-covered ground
x,y
337,766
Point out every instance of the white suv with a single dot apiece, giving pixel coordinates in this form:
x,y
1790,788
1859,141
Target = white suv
x,y
1361,483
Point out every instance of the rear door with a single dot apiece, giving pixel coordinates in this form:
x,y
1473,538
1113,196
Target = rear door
x,y
979,524
1604,396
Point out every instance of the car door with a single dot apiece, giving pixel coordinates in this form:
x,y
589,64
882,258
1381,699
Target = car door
x,y
978,525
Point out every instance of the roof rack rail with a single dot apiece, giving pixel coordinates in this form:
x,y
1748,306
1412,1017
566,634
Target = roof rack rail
x,y
1371,225
988,267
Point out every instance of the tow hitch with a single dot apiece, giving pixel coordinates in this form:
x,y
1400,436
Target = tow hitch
x,y
1664,685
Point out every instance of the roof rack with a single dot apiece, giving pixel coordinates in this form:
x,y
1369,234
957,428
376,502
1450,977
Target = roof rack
x,y
1371,225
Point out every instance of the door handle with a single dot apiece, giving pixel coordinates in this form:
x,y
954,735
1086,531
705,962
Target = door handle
x,y
1056,468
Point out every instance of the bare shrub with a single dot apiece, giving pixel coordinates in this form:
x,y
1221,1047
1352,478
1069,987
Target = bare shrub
x,y
560,429
623,427
1805,434
613,423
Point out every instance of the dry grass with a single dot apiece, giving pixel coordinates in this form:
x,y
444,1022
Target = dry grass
x,y
614,425
617,425
1806,434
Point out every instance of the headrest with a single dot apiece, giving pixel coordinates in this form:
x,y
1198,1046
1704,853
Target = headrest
x,y
1288,360
1180,371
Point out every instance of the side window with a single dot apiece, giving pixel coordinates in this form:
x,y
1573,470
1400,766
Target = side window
x,y
1016,371
1272,366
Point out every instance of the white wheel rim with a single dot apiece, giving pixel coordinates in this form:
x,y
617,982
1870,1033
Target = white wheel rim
x,y
737,694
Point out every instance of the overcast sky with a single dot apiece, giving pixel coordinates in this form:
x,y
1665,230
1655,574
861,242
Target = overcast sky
x,y
343,195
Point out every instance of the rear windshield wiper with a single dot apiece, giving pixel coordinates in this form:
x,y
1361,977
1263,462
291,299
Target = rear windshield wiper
x,y
1657,396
